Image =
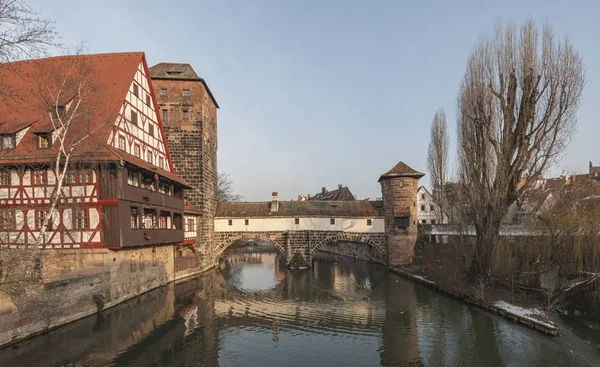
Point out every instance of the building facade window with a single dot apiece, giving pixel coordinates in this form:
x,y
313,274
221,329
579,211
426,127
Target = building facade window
x,y
122,142
132,264
41,217
422,207
136,90
433,221
246,222
186,114
369,222
7,142
186,92
70,177
296,220
149,221
148,100
39,176
136,150
44,141
151,130
424,221
133,178
161,162
163,91
7,220
135,218
431,207
85,176
332,221
81,219
165,114
191,225
164,220
230,222
134,119
149,156
4,177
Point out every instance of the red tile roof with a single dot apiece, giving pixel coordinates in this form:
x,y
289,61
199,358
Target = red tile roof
x,y
335,209
190,209
401,170
29,85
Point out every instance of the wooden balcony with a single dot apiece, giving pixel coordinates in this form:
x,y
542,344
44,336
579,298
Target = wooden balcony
x,y
144,237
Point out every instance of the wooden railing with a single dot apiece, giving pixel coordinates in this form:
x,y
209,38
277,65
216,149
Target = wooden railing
x,y
182,263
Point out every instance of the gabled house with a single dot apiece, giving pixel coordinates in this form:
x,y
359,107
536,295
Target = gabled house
x,y
121,190
428,212
342,193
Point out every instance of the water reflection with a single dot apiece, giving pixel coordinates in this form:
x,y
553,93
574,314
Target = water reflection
x,y
254,312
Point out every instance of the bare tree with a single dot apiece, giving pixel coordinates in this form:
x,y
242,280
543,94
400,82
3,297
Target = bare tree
x,y
437,160
65,98
225,191
517,108
23,34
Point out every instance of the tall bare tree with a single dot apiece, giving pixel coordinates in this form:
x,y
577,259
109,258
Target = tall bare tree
x,y
225,191
517,108
437,160
23,34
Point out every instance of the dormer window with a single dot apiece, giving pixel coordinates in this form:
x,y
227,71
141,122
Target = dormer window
x,y
44,141
57,111
7,142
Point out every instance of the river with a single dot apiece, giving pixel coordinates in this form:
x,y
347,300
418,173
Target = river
x,y
253,312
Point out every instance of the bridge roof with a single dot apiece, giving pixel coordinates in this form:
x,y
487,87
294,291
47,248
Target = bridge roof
x,y
352,209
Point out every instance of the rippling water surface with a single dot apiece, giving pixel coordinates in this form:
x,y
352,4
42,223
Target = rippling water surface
x,y
254,312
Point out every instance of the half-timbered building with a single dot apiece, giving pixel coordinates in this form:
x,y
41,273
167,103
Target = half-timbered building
x,y
121,190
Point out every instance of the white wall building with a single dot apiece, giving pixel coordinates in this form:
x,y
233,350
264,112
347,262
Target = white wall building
x,y
427,210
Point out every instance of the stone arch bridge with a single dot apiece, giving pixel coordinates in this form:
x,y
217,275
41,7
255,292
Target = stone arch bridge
x,y
299,229
383,231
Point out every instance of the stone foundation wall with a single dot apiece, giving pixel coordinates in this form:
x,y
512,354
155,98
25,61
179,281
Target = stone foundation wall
x,y
76,283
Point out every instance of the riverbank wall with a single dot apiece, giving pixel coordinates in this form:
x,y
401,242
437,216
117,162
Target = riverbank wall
x,y
78,283
506,312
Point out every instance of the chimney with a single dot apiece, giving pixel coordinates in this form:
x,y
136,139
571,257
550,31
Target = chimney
x,y
323,190
340,186
591,167
275,202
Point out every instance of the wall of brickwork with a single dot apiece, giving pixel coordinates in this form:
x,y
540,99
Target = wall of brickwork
x,y
193,146
304,244
399,199
73,282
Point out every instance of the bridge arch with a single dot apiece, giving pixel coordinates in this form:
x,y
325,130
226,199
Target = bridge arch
x,y
349,238
224,245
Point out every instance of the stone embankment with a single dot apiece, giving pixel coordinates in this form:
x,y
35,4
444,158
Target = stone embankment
x,y
526,316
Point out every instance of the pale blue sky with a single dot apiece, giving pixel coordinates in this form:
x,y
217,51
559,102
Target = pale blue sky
x,y
318,93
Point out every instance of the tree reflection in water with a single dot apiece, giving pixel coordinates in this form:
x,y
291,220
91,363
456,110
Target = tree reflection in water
x,y
254,312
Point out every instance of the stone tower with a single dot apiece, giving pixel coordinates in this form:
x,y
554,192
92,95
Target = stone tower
x,y
189,114
399,189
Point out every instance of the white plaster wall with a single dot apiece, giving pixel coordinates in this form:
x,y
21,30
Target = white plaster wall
x,y
146,116
358,225
427,214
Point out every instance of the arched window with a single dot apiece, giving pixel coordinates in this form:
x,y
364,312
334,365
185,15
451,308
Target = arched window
x,y
132,264
141,262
